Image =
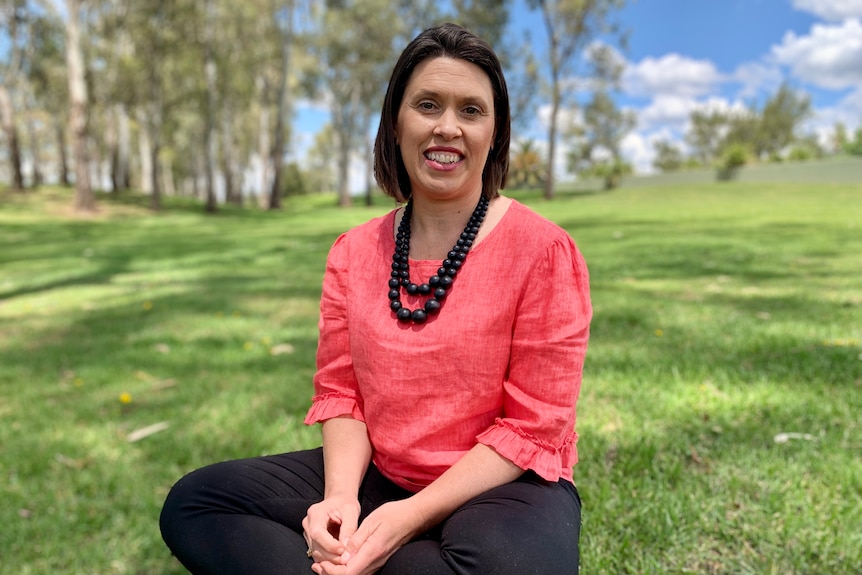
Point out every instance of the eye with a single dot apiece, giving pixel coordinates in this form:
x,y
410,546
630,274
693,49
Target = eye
x,y
472,111
426,106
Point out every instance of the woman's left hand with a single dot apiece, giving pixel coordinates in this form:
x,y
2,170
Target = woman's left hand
x,y
379,536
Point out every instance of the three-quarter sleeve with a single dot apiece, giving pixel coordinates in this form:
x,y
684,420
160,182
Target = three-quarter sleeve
x,y
549,342
335,388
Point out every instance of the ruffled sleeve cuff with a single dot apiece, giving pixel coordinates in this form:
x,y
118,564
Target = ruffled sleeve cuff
x,y
330,405
530,452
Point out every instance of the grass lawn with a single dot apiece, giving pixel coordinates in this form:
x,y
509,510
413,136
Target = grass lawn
x,y
726,315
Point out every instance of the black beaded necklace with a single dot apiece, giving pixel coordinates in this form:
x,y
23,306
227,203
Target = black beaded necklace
x,y
438,284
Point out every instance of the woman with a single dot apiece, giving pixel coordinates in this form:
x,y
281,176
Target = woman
x,y
452,338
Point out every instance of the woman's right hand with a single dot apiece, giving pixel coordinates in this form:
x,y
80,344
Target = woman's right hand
x,y
328,525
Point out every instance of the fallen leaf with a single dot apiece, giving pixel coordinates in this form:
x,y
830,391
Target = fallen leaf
x,y
281,348
787,436
147,431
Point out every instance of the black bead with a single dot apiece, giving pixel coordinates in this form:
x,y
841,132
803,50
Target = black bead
x,y
394,283
403,314
419,316
432,306
440,293
412,288
394,294
424,289
434,281
446,281
441,271
395,305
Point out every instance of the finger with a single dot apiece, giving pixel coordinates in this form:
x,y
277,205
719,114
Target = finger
x,y
329,568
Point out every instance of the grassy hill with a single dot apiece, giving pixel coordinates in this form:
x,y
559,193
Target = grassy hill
x,y
719,419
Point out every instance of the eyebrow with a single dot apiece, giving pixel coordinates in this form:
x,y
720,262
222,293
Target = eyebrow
x,y
426,93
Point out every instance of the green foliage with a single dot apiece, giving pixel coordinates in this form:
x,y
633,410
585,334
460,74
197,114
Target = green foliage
x,y
596,141
526,165
610,172
854,148
765,131
668,157
292,180
734,157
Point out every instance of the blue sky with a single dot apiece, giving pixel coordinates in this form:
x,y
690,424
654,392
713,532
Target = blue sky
x,y
688,54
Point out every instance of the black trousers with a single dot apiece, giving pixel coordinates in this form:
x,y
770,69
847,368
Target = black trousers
x,y
244,517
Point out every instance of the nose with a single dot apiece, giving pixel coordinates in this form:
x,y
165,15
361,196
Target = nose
x,y
447,125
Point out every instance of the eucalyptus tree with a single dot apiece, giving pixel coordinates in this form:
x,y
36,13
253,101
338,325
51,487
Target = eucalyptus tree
x,y
707,128
485,18
597,136
11,19
163,79
668,156
355,70
85,200
46,76
571,27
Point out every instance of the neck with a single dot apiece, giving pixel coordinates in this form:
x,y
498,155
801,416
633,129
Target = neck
x,y
436,224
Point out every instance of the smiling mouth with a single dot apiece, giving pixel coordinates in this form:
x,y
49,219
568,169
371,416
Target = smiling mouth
x,y
443,157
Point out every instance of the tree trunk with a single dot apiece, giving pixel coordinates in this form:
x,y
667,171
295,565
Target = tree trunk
x,y
167,172
263,140
123,147
35,151
282,109
85,201
118,145
232,191
155,148
144,146
7,116
112,143
552,141
60,134
369,157
210,71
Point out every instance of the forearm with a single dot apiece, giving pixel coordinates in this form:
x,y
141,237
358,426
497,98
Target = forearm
x,y
479,470
346,455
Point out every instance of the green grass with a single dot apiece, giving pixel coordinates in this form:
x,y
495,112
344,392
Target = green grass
x,y
725,314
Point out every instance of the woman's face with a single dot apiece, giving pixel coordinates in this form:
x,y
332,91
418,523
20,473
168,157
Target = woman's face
x,y
445,127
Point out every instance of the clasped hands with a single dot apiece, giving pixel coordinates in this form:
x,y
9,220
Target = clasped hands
x,y
340,546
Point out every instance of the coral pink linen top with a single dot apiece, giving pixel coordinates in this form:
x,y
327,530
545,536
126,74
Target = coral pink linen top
x,y
499,365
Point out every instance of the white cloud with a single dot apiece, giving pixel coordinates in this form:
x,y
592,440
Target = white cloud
x,y
672,74
830,56
833,10
666,110
638,150
757,77
848,112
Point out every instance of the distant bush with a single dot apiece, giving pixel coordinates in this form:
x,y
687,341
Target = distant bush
x,y
800,154
292,181
854,148
734,157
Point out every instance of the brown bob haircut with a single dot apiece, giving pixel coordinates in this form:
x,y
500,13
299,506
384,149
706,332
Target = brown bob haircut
x,y
451,41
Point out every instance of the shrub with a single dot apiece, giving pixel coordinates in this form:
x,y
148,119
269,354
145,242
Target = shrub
x,y
734,157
